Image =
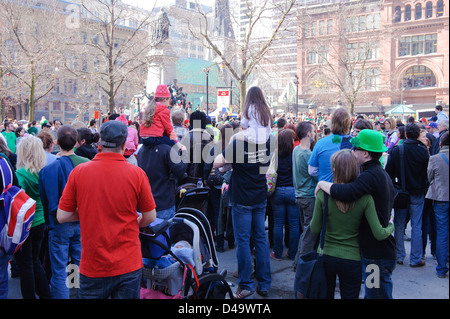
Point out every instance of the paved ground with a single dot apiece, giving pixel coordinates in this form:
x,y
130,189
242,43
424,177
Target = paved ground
x,y
409,283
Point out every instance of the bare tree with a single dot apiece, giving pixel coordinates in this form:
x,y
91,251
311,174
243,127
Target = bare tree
x,y
346,58
240,58
32,36
113,45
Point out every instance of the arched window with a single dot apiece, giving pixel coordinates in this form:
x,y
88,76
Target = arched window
x,y
418,11
440,8
419,76
398,14
408,13
429,10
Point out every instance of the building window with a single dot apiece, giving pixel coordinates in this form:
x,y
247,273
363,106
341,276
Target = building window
x,y
56,106
312,57
419,76
330,27
319,55
417,44
440,8
404,46
314,29
372,79
430,43
398,14
362,23
420,44
306,30
429,10
408,13
418,11
322,27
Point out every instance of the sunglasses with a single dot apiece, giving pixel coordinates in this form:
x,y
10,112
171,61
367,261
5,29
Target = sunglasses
x,y
357,149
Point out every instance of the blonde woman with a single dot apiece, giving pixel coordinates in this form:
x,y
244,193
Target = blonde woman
x,y
392,136
30,160
341,252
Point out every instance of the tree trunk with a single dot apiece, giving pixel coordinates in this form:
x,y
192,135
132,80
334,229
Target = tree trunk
x,y
242,94
32,104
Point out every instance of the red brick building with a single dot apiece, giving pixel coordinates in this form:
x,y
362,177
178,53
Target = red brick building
x,y
391,43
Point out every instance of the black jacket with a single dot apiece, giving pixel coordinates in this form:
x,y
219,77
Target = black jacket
x,y
162,173
416,164
374,181
88,151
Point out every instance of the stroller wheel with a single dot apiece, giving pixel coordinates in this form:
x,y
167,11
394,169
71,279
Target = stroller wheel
x,y
214,286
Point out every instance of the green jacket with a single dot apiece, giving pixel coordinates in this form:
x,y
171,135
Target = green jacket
x,y
341,237
30,184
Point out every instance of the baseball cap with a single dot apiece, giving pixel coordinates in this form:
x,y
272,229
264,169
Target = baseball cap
x,y
432,125
113,134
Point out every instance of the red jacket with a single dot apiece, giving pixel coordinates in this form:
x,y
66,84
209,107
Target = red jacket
x,y
161,123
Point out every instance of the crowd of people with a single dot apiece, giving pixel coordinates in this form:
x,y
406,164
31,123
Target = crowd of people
x,y
96,187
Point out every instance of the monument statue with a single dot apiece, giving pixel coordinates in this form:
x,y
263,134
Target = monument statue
x,y
159,31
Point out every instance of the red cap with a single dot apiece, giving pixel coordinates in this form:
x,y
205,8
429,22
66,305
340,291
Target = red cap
x,y
162,91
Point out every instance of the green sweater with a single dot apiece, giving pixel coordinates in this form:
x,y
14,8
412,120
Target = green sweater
x,y
30,184
341,237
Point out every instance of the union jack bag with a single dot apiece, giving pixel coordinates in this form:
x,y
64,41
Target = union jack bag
x,y
16,212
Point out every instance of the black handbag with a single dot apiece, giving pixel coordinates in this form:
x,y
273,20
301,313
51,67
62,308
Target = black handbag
x,y
310,279
401,197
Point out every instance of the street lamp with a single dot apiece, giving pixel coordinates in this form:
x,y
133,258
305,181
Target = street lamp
x,y
207,95
296,95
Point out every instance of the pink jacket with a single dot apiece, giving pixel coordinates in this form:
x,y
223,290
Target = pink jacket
x,y
132,139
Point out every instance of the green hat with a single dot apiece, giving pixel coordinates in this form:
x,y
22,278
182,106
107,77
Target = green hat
x,y
370,140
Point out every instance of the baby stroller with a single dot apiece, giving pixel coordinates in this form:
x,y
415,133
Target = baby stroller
x,y
192,196
187,277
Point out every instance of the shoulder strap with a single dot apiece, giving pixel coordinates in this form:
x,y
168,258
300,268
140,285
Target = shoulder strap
x,y
402,167
324,222
7,174
445,158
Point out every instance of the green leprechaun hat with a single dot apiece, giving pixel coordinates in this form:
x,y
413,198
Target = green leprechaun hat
x,y
370,140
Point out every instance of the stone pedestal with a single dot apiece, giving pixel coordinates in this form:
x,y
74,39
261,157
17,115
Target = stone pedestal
x,y
162,69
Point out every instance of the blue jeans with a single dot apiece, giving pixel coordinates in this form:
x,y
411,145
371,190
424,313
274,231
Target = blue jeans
x,y
249,223
441,216
63,241
386,285
4,260
166,213
283,206
415,211
349,273
126,286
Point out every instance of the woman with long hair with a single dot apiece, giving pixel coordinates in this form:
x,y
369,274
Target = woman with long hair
x,y
30,160
392,136
256,116
283,199
341,252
